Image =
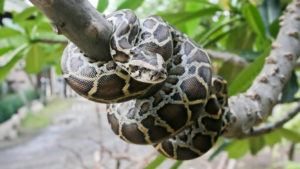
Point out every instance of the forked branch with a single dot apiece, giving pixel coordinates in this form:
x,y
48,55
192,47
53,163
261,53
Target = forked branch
x,y
256,104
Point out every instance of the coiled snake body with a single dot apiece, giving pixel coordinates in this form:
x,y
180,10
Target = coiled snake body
x,y
159,86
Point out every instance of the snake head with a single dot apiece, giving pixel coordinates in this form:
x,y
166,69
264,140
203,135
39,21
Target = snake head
x,y
148,67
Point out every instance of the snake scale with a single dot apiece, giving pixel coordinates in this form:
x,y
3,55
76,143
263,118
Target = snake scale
x,y
159,87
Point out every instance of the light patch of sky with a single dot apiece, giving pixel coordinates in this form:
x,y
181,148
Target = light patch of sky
x,y
94,2
214,1
111,5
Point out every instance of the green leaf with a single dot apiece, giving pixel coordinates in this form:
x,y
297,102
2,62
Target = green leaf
x,y
272,138
12,58
13,41
130,4
218,37
1,6
192,25
234,42
182,17
230,70
244,79
34,59
25,14
261,43
256,144
102,5
44,27
219,149
290,89
40,56
8,32
156,162
274,28
5,50
176,165
237,148
215,28
254,19
290,135
294,123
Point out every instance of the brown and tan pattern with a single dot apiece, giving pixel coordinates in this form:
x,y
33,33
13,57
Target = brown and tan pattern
x,y
158,84
198,138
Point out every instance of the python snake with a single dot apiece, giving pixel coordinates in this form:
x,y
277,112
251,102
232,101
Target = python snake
x,y
158,86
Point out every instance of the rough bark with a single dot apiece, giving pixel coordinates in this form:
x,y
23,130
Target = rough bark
x,y
80,22
256,104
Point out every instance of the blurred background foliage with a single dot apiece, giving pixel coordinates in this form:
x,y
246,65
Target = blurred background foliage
x,y
242,27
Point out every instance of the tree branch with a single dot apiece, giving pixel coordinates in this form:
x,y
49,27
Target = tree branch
x,y
253,106
291,152
80,22
267,128
227,57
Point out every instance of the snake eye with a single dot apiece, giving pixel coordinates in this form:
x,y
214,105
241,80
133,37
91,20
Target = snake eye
x,y
134,68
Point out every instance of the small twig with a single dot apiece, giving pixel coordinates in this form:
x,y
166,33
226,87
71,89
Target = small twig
x,y
278,124
49,41
227,57
118,164
291,151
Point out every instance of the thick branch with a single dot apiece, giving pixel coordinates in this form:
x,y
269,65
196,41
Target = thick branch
x,y
257,102
227,57
80,22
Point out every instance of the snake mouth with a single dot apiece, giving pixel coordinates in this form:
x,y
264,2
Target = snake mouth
x,y
158,76
148,75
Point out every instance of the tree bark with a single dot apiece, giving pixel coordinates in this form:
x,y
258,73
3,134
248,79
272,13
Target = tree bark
x,y
81,23
256,104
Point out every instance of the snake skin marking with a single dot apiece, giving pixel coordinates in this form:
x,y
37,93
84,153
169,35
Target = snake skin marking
x,y
158,85
143,60
101,82
197,139
171,109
